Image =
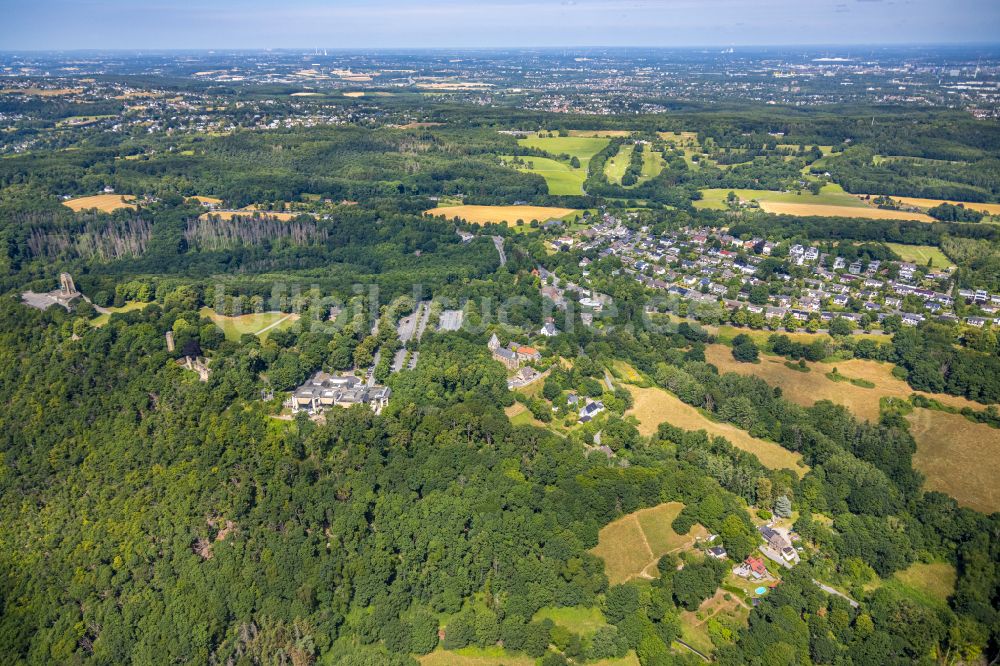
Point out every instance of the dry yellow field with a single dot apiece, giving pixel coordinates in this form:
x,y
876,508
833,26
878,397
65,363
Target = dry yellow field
x,y
230,214
208,200
806,388
799,209
354,94
41,92
654,406
497,214
632,545
988,208
102,202
305,94
958,457
416,125
680,137
599,133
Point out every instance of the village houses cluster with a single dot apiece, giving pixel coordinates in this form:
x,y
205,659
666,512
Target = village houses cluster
x,y
701,266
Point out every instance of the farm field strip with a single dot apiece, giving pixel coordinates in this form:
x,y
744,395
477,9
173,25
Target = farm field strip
x,y
102,202
498,214
826,210
988,208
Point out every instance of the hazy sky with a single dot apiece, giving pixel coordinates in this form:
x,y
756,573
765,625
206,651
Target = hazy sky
x,y
143,24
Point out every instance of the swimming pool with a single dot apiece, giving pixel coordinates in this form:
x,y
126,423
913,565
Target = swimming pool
x,y
760,591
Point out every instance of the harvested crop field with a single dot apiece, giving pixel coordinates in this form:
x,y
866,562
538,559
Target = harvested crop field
x,y
102,202
41,92
988,208
654,406
958,457
806,388
230,214
806,209
632,545
498,214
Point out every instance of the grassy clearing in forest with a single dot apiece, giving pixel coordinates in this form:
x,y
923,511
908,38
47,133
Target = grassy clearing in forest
x,y
654,406
958,457
618,164
694,631
920,254
806,388
561,178
933,581
581,620
581,147
258,324
632,545
103,319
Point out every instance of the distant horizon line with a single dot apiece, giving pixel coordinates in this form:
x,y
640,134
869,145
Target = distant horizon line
x,y
592,47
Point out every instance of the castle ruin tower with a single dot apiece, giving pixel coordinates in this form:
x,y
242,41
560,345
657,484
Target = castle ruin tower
x,y
66,286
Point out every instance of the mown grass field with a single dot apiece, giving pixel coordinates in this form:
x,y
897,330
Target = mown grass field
x,y
831,194
920,254
102,202
581,147
632,545
930,582
561,178
654,406
806,388
652,165
582,620
259,324
616,167
103,319
958,457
